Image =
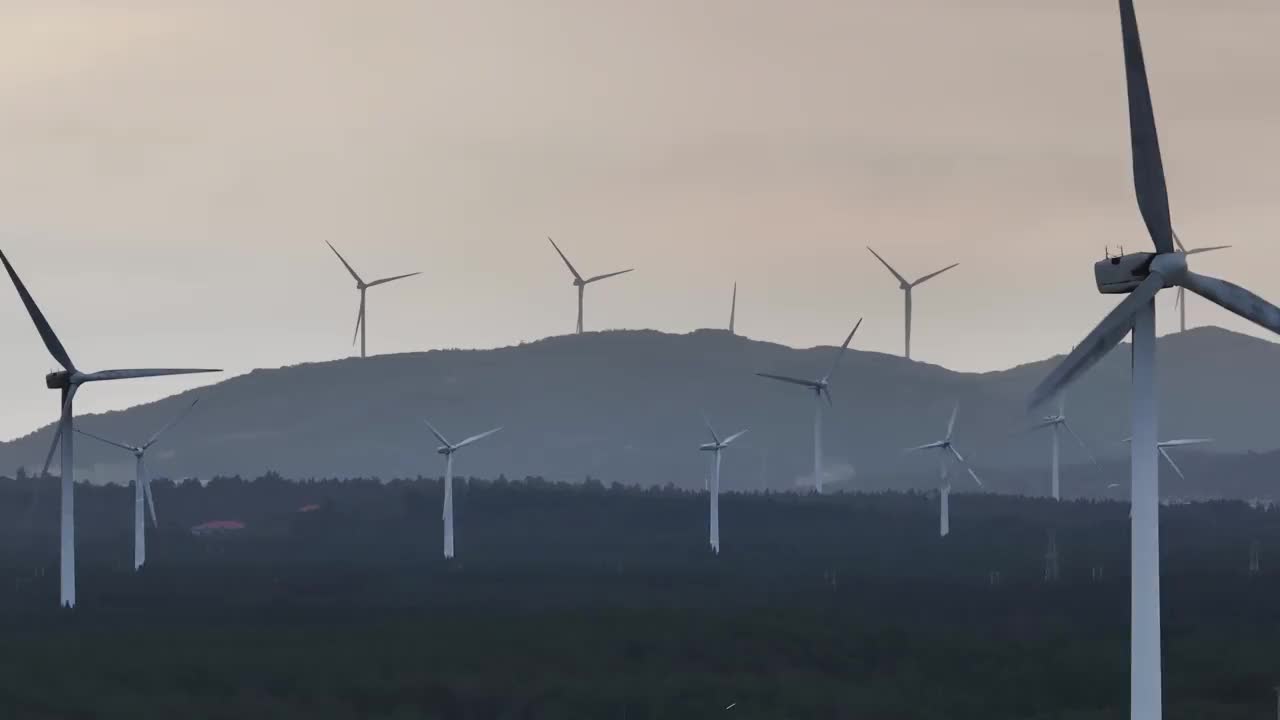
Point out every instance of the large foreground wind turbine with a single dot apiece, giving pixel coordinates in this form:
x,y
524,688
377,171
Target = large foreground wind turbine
x,y
907,287
447,449
68,381
820,387
142,484
716,446
363,287
1180,301
947,454
581,283
1142,276
1056,424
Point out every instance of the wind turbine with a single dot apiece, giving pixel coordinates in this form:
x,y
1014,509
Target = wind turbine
x,y
947,454
1142,276
1056,424
907,287
447,449
363,287
1180,302
68,381
582,284
716,446
1163,448
820,387
142,484
733,310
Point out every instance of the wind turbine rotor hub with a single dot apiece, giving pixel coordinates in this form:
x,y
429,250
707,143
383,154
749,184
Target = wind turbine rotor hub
x,y
1173,266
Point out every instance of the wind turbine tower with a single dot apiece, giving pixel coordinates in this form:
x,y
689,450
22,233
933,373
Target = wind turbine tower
x,y
906,288
582,283
821,389
1141,276
142,484
447,449
363,288
68,381
716,446
947,454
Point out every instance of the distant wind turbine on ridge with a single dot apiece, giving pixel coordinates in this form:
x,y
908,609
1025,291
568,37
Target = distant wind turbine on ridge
x,y
1142,276
1056,424
716,446
68,381
581,283
821,389
1180,301
142,484
947,454
447,449
907,287
363,288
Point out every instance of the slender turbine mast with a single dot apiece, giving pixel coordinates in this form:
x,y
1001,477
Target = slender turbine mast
x,y
447,449
68,381
142,484
581,283
716,446
1180,301
363,288
907,287
1142,276
1057,424
947,454
821,388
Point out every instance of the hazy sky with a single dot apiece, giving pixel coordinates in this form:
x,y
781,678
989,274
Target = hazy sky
x,y
170,170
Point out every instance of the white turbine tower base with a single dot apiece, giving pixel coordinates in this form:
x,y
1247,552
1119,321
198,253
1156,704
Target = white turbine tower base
x,y
1141,276
716,446
947,454
581,283
447,449
68,381
142,484
821,390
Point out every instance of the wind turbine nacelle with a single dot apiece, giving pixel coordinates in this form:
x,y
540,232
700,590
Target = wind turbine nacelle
x,y
443,450
1122,274
58,380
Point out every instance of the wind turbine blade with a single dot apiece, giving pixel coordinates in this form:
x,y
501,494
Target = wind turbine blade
x,y
1172,464
345,264
889,267
932,275
733,437
710,429
143,373
1234,298
1177,241
843,348
565,259
384,281
1080,442
960,459
794,381
50,339
1197,251
1099,342
609,275
476,438
951,424
101,439
359,320
61,428
1185,442
826,393
1148,169
436,432
152,440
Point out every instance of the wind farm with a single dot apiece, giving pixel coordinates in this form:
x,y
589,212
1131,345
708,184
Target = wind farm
x,y
281,538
